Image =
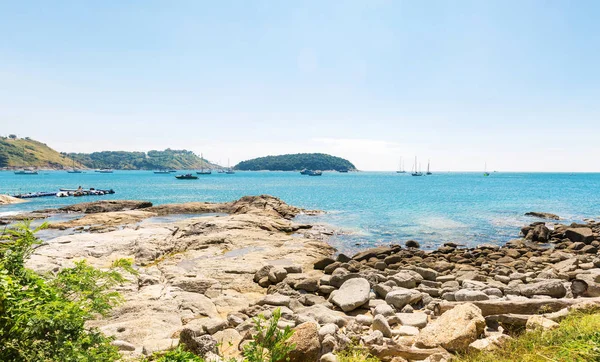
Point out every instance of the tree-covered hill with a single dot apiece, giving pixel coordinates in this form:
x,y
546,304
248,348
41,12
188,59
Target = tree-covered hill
x,y
296,162
124,160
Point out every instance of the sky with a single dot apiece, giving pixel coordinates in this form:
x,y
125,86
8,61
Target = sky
x,y
514,84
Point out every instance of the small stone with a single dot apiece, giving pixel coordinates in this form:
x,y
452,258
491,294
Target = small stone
x,y
381,324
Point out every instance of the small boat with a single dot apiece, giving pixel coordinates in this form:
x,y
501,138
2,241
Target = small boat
x,y
485,173
104,170
172,171
315,173
428,172
305,172
74,170
202,170
229,170
343,170
416,172
162,172
187,176
401,167
26,172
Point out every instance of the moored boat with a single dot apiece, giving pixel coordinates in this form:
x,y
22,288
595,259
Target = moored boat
x,y
162,172
26,172
416,171
104,170
187,176
315,173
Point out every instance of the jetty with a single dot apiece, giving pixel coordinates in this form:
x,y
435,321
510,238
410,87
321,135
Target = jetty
x,y
65,193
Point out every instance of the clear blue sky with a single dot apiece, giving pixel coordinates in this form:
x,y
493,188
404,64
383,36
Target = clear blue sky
x,y
513,83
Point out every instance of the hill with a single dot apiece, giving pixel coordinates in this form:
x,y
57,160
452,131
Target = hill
x,y
25,152
124,160
296,162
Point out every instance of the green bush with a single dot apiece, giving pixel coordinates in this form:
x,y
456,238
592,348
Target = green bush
x,y
42,318
269,344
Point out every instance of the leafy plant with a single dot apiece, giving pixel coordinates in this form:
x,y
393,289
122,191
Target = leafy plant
x,y
43,318
269,344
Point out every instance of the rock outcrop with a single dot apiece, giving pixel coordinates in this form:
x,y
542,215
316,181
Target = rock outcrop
x,y
7,200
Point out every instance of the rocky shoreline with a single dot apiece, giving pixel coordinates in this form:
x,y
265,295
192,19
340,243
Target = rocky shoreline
x,y
203,279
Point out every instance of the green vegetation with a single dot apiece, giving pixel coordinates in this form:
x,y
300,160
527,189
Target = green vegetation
x,y
576,339
153,160
269,344
296,162
42,317
25,152
356,353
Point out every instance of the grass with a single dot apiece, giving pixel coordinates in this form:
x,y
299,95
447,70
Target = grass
x,y
355,354
577,339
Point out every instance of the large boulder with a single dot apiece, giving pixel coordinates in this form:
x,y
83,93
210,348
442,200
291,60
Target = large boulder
x,y
580,234
453,330
550,287
306,340
352,294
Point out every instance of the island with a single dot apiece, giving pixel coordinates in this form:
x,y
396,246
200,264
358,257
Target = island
x,y
297,162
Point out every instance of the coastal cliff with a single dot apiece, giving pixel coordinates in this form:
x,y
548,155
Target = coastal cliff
x,y
202,280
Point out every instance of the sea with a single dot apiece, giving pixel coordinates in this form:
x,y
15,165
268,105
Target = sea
x,y
367,208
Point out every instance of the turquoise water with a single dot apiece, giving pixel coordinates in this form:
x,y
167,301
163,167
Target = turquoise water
x,y
372,207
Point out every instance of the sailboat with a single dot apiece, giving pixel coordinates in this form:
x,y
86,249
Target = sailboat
x,y
229,170
485,173
428,172
401,167
202,170
26,171
74,170
416,172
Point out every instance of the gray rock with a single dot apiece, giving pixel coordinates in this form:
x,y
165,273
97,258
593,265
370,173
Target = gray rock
x,y
327,329
262,273
373,338
426,273
385,310
310,284
293,269
364,320
551,287
418,320
465,295
401,297
352,294
328,357
200,345
321,264
406,331
580,234
275,299
381,324
277,274
122,345
404,280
